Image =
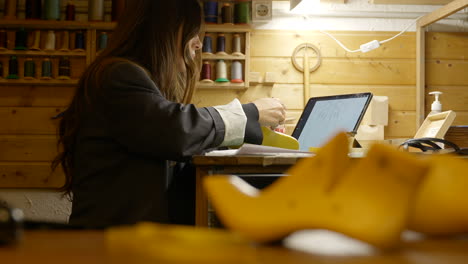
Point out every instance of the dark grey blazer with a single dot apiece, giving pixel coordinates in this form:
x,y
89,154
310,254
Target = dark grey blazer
x,y
129,137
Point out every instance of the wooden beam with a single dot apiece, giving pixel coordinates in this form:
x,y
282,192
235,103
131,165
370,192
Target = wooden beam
x,y
420,76
442,12
411,2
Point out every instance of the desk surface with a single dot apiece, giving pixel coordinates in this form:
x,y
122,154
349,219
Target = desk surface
x,y
89,247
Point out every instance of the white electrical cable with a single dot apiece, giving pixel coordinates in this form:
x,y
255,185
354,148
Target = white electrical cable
x,y
381,42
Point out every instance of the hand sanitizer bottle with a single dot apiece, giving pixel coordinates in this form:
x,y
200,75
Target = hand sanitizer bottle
x,y
436,106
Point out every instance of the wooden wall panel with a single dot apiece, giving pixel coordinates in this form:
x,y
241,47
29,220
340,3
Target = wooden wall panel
x,y
50,96
29,175
28,120
27,148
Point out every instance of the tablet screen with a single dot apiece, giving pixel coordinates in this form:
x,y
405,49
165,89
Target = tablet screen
x,y
324,117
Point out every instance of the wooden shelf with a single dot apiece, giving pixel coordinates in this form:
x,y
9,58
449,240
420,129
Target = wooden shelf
x,y
222,57
42,53
52,24
227,85
4,82
227,28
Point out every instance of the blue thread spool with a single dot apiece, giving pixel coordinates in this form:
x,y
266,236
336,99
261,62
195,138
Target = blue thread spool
x,y
207,45
29,69
64,69
20,40
221,45
221,72
52,9
236,72
13,68
102,41
211,11
33,9
79,41
46,69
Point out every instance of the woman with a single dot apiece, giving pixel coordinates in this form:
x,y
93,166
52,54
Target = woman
x,y
130,119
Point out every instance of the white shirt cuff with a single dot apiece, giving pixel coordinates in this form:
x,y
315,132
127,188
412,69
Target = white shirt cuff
x,y
234,122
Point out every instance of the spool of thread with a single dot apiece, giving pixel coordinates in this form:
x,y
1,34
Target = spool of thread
x,y
79,41
36,40
13,68
236,45
20,40
29,69
207,45
118,8
52,9
102,41
1,70
3,40
226,14
211,11
10,9
64,69
206,72
242,12
221,44
95,10
33,9
70,11
221,72
65,41
236,72
50,40
46,69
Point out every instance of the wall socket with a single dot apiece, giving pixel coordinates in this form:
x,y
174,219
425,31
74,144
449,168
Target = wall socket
x,y
261,11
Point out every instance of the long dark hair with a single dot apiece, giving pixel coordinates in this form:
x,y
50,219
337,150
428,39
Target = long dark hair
x,y
150,35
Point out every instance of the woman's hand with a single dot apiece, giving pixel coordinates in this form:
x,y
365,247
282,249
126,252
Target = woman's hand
x,y
271,112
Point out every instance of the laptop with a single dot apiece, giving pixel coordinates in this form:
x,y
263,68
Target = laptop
x,y
324,117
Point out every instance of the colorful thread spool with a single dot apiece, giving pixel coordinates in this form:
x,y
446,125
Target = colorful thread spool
x,y
236,45
207,45
52,9
221,72
236,72
64,69
36,40
10,9
221,44
95,10
29,69
33,9
102,41
50,40
46,73
118,8
3,40
65,41
226,14
242,12
13,68
20,40
206,72
79,41
70,11
211,11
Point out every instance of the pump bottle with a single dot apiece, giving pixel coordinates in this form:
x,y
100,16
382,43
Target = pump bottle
x,y
436,106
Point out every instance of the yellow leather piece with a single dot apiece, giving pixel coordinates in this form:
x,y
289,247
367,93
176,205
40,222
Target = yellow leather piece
x,y
368,199
275,139
441,204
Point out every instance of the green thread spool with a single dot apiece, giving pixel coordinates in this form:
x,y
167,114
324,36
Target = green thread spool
x,y
46,69
21,38
64,69
13,68
29,69
242,13
52,9
103,38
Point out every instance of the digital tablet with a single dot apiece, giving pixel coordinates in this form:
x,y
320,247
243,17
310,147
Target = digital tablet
x,y
324,117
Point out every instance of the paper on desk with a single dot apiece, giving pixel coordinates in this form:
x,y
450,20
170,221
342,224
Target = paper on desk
x,y
251,149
